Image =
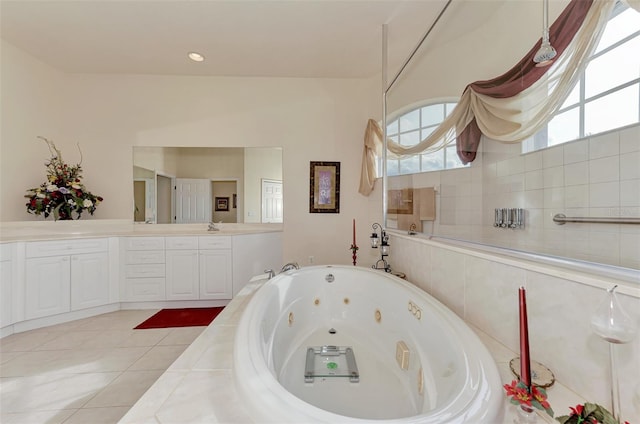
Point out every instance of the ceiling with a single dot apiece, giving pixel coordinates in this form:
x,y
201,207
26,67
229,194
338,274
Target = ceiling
x,y
259,38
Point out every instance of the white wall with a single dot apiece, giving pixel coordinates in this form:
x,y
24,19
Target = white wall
x,y
311,119
259,164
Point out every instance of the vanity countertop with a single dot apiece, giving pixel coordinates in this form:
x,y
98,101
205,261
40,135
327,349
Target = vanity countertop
x,y
60,230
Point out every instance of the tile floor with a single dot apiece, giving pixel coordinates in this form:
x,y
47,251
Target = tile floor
x,y
86,371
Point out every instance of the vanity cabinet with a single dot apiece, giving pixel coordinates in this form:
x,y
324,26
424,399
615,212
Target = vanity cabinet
x,y
6,278
216,267
67,275
199,268
144,269
182,268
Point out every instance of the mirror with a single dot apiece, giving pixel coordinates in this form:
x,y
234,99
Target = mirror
x,y
565,179
207,184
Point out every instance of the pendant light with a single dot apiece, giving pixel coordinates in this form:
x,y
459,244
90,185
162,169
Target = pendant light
x,y
546,53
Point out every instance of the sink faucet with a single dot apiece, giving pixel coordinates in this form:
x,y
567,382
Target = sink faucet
x,y
212,226
270,273
290,266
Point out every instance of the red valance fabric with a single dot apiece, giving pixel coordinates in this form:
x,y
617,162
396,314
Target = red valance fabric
x,y
523,74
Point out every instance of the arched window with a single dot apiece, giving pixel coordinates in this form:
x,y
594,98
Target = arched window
x,y
415,125
607,96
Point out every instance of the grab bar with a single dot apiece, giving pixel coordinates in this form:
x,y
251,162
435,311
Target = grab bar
x,y
561,219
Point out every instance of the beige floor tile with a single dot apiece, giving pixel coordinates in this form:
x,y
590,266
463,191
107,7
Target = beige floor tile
x,y
72,361
149,337
97,415
182,335
158,358
37,417
24,342
125,390
7,356
51,391
121,320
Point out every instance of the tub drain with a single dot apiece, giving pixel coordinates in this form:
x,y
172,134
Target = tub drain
x,y
332,331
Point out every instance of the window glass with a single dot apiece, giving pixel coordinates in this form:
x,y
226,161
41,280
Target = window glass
x,y
612,111
410,165
410,139
413,127
410,121
564,127
432,114
613,68
619,27
607,95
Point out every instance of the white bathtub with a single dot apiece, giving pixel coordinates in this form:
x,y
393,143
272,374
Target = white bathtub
x,y
447,375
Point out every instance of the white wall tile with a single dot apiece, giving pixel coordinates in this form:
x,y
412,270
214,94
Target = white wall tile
x,y
554,198
576,151
630,193
630,165
576,196
553,177
553,156
604,169
604,195
533,180
533,161
630,139
604,145
448,274
576,173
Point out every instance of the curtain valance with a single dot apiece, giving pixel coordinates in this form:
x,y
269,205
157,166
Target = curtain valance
x,y
515,105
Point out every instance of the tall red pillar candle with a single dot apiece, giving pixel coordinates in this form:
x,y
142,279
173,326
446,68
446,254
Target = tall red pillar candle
x,y
354,231
525,362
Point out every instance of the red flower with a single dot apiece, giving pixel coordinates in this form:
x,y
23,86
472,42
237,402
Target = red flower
x,y
577,410
537,395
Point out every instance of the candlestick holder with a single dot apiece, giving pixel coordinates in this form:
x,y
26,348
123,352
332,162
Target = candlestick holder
x,y
383,242
611,323
354,255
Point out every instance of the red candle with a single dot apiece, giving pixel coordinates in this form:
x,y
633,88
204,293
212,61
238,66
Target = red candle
x,y
354,231
525,363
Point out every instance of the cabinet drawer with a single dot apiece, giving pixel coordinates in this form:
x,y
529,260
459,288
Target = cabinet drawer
x,y
65,247
142,289
179,243
214,242
145,257
144,271
144,243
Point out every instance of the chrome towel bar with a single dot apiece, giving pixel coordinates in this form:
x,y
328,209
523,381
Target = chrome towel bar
x,y
561,219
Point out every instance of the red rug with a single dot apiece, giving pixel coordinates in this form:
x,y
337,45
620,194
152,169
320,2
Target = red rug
x,y
189,317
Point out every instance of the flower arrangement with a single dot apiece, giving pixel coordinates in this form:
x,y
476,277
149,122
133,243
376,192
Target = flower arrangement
x,y
532,398
63,194
589,413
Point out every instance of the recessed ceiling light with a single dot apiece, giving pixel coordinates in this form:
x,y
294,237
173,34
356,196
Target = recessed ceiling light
x,y
196,57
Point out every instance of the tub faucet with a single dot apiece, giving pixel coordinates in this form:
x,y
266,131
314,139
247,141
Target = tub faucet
x,y
290,266
212,226
270,273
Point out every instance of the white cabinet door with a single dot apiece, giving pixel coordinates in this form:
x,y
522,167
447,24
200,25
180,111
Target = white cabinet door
x,y
6,299
182,274
89,280
47,286
215,274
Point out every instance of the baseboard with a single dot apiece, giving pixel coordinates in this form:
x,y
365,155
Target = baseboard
x,y
172,304
33,324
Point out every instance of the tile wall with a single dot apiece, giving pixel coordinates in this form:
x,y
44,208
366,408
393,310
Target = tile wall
x,y
595,176
483,290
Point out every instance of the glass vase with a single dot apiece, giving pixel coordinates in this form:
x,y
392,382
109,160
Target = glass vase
x,y
525,415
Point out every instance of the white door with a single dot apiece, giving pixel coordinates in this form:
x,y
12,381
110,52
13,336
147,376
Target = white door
x,y
215,274
89,280
182,274
193,200
271,201
47,286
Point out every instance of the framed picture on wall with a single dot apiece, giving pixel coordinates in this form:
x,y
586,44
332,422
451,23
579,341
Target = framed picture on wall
x,y
235,200
222,204
324,187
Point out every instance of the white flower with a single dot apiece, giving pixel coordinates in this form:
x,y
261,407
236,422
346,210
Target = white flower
x,y
52,187
40,195
87,203
76,186
71,202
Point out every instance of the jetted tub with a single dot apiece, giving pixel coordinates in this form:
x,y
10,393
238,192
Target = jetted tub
x,y
350,344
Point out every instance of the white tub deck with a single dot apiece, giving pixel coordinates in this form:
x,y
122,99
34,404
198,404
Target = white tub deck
x,y
199,386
